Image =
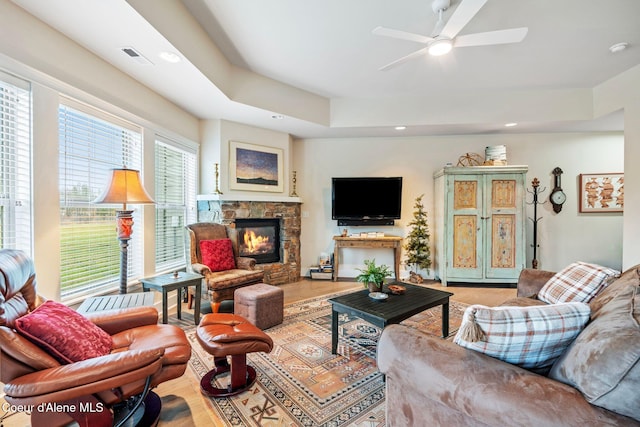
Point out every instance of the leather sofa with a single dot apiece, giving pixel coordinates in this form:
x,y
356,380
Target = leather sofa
x,y
142,355
432,381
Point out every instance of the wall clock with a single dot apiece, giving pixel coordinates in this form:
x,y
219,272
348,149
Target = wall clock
x,y
557,196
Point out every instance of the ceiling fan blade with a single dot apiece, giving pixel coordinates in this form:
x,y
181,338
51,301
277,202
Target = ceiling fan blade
x,y
466,10
513,35
404,59
402,35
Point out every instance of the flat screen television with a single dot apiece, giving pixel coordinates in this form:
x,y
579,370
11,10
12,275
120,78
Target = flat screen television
x,y
366,200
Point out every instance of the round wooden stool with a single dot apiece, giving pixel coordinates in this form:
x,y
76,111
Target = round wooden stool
x,y
222,335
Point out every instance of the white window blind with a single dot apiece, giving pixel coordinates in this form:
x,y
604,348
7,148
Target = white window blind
x,y
15,158
175,196
91,143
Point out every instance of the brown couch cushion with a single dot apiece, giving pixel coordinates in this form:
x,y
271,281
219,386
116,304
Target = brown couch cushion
x,y
522,302
604,361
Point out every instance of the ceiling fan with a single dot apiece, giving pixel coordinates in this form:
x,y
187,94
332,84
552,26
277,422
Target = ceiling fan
x,y
445,35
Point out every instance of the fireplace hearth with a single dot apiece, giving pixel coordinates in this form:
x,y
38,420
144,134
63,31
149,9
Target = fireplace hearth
x,y
259,238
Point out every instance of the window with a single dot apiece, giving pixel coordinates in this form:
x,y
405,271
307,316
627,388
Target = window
x,y
91,143
15,157
175,197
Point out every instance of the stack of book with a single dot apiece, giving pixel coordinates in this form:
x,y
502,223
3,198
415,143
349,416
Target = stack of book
x,y
323,272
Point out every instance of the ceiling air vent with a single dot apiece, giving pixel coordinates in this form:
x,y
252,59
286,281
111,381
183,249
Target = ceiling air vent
x,y
135,55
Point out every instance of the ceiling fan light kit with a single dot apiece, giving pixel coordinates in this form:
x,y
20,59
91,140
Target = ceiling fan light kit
x,y
445,34
440,47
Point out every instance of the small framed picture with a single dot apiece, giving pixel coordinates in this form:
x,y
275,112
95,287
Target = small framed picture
x,y
601,192
255,167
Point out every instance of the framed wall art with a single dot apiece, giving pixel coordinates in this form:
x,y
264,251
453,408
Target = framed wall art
x,y
601,192
255,167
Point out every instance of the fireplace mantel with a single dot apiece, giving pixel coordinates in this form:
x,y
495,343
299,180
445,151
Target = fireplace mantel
x,y
248,198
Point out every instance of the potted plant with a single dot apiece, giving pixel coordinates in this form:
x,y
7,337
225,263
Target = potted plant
x,y
373,275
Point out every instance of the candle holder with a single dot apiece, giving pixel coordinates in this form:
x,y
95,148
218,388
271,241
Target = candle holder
x,y
294,180
217,190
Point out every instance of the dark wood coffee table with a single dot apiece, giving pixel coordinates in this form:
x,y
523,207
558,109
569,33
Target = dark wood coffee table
x,y
394,309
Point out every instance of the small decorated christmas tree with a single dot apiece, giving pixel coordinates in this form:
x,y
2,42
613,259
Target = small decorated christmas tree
x,y
417,245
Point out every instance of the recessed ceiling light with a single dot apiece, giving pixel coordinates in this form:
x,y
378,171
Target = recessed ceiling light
x,y
277,117
400,127
618,47
170,57
510,125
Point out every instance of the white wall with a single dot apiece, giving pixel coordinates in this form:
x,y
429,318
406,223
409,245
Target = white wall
x,y
623,92
216,135
563,238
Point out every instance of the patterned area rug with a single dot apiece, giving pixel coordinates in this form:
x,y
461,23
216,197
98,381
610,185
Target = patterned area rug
x,y
300,383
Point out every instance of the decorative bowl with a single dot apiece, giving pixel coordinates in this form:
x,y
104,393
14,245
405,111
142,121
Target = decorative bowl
x,y
397,289
379,296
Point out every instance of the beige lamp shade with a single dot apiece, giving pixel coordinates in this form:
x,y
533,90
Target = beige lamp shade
x,y
124,187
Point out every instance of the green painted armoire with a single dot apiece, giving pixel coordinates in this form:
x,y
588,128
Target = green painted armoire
x,y
479,230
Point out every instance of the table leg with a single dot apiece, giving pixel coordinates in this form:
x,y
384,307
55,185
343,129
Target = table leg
x,y
165,305
198,296
334,331
336,262
179,306
397,253
445,320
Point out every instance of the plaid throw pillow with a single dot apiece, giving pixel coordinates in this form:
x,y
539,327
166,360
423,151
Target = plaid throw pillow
x,y
531,337
579,282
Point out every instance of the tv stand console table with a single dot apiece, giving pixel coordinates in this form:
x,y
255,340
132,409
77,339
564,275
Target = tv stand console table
x,y
390,242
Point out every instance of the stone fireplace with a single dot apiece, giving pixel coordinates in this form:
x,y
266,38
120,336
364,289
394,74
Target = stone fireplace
x,y
287,215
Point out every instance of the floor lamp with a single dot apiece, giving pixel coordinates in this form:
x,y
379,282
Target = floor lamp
x,y
124,187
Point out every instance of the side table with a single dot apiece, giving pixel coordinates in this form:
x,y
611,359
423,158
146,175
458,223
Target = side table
x,y
391,242
169,282
114,302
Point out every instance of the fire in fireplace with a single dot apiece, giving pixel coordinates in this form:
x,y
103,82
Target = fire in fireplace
x,y
259,238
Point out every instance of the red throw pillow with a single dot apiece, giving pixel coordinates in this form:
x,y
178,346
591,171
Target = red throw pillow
x,y
63,333
217,254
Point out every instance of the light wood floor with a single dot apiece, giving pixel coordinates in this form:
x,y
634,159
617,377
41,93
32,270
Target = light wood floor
x,y
182,403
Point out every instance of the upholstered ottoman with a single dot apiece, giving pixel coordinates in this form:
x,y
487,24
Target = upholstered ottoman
x,y
223,335
261,304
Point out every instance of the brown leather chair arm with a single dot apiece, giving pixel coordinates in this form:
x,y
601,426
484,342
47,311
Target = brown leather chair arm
x,y
427,377
531,281
114,321
84,377
245,263
200,269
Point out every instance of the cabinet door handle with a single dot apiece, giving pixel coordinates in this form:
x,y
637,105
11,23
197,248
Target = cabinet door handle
x,y
485,217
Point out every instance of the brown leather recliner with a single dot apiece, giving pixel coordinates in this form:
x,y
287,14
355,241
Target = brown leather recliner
x,y
115,386
220,284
